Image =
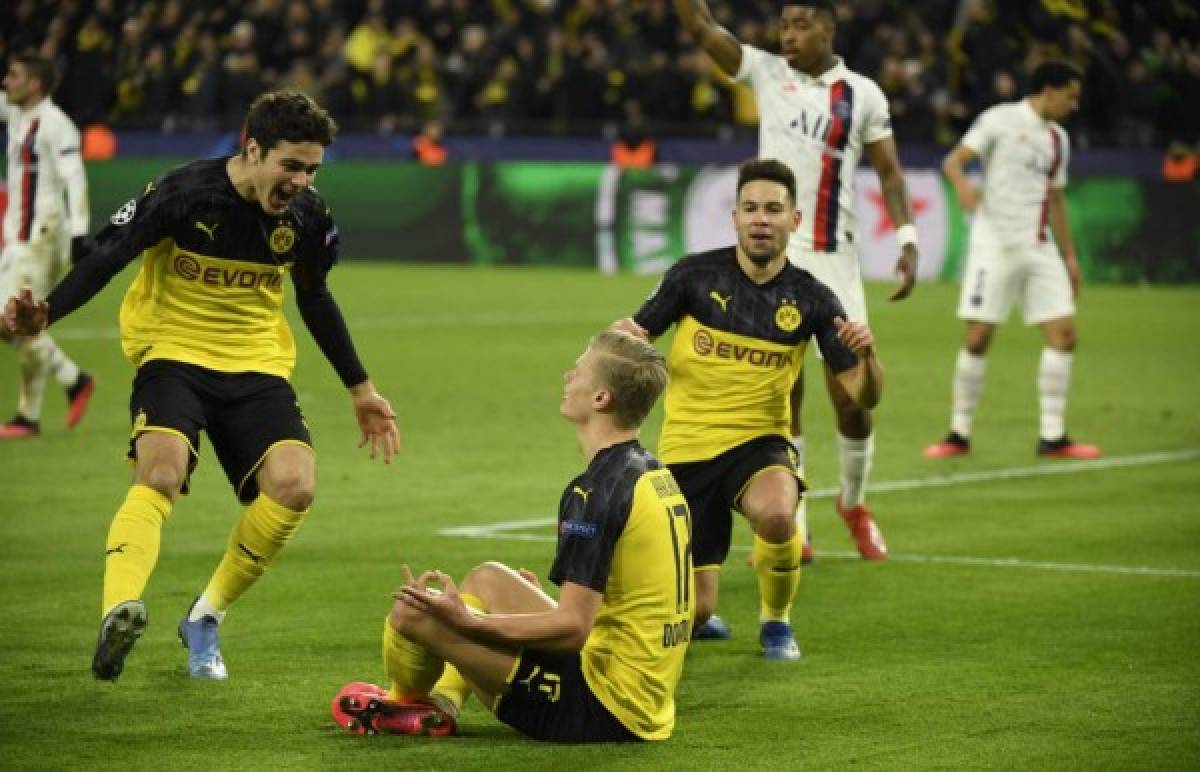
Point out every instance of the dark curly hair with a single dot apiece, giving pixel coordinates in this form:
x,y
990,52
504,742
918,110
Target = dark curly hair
x,y
288,115
767,169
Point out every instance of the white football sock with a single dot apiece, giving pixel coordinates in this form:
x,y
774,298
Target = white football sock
x,y
856,458
33,377
41,356
1054,379
968,385
205,608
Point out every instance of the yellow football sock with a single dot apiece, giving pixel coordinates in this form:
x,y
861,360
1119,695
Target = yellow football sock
x,y
132,546
262,530
412,668
778,569
452,686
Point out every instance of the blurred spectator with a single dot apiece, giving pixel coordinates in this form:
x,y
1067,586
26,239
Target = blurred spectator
x,y
580,65
633,148
1181,163
427,146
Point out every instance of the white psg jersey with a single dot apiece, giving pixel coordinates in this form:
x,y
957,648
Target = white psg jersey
x,y
818,127
43,161
1024,156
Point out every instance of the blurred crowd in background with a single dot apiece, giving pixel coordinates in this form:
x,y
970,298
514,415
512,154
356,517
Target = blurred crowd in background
x,y
579,66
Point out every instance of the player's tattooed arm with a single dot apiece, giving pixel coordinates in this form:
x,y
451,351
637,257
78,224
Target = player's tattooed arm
x,y
716,41
884,158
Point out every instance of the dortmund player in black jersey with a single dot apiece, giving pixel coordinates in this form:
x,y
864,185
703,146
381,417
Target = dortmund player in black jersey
x,y
203,323
744,316
599,665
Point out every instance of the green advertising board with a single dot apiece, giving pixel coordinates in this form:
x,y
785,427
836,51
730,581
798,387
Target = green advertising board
x,y
593,215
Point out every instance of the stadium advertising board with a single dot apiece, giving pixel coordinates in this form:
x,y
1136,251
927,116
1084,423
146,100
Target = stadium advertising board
x,y
596,215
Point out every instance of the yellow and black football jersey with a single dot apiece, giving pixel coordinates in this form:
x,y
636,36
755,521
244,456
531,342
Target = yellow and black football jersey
x,y
624,531
737,351
211,284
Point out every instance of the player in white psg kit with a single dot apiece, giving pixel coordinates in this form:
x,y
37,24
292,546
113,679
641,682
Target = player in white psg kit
x,y
820,118
1010,255
40,233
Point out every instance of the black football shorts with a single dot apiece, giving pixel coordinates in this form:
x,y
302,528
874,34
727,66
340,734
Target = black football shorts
x,y
713,489
244,414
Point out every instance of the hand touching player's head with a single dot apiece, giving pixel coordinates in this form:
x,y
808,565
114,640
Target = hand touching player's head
x,y
765,213
619,375
806,33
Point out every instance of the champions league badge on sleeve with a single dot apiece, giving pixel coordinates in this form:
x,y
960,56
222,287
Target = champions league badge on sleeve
x,y
123,215
581,529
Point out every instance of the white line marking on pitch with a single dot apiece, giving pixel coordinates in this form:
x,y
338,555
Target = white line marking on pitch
x,y
510,530
1012,473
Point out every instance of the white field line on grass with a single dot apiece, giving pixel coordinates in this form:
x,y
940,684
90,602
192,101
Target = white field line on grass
x,y
517,530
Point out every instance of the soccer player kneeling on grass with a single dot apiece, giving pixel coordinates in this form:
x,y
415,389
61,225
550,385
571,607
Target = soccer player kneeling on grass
x,y
599,665
203,322
744,317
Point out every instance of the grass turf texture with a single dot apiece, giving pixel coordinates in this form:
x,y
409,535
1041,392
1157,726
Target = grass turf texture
x,y
907,664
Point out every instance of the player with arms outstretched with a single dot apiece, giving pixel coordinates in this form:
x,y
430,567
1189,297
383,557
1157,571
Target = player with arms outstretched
x,y
203,323
1011,257
744,318
821,118
600,664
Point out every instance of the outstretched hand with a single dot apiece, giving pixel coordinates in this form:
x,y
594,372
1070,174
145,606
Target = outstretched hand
x,y
25,316
376,421
856,335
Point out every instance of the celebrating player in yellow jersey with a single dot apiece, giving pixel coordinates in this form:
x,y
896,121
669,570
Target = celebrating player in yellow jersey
x,y
599,665
744,317
203,322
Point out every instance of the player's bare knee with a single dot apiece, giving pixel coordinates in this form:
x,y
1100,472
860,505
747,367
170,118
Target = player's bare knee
x,y
776,527
163,476
1062,340
978,341
293,488
486,579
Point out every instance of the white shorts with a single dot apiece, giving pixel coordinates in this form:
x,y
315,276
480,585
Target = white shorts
x,y
998,274
840,272
36,264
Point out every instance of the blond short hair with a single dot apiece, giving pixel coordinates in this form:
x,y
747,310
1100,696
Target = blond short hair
x,y
635,372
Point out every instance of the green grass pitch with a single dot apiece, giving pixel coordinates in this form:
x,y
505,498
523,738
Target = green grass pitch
x,y
1003,633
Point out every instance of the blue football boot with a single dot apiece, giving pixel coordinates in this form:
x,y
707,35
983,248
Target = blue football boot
x,y
778,642
715,629
204,647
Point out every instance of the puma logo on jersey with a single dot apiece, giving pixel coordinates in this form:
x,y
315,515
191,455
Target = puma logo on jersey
x,y
117,550
584,494
723,302
209,230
